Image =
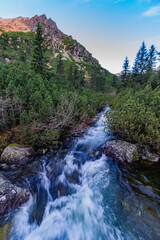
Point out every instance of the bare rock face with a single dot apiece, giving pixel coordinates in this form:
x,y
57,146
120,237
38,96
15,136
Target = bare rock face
x,y
49,26
16,154
11,196
121,150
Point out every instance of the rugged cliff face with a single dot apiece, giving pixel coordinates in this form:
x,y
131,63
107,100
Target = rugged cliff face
x,y
56,37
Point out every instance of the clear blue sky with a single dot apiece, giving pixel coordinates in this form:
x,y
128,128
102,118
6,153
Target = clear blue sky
x,y
109,29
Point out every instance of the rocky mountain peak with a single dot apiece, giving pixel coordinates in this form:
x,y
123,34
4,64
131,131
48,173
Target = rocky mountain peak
x,y
56,37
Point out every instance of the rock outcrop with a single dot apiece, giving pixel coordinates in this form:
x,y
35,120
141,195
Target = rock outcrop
x,y
11,196
128,152
16,155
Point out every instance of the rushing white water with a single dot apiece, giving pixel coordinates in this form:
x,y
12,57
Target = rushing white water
x,y
87,212
79,215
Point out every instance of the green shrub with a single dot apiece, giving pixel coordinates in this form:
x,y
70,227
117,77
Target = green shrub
x,y
135,116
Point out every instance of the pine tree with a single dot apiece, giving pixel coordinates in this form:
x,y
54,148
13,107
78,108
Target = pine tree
x,y
38,60
125,72
151,59
143,58
76,78
60,67
140,64
126,67
115,81
101,83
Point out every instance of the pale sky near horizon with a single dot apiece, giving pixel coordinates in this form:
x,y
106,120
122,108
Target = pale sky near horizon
x,y
109,29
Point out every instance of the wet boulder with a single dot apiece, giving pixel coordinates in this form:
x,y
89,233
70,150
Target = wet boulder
x,y
121,150
11,196
16,154
128,152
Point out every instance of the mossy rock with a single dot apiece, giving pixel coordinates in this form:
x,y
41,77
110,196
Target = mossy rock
x,y
12,144
16,154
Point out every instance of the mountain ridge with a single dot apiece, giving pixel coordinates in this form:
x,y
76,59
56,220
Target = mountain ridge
x,y
54,34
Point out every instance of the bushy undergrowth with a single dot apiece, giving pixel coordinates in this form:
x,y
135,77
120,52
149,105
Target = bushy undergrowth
x,y
43,97
43,107
135,116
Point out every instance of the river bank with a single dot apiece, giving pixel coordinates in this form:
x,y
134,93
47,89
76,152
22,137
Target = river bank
x,y
14,136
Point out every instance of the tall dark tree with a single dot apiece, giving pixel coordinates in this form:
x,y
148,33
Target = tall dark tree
x,y
115,81
97,80
70,77
78,78
140,64
60,68
151,59
135,69
101,83
126,67
125,72
38,60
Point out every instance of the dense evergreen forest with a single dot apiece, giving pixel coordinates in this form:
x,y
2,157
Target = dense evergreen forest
x,y
135,114
44,96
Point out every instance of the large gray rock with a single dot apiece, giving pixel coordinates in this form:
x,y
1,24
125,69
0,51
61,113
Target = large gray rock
x,y
125,151
11,196
121,150
16,154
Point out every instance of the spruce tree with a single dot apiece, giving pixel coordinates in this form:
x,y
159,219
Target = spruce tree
x,y
115,81
60,68
151,59
140,64
76,78
38,60
125,72
101,83
143,59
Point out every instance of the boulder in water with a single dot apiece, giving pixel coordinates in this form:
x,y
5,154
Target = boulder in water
x,y
121,150
125,151
16,154
11,196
